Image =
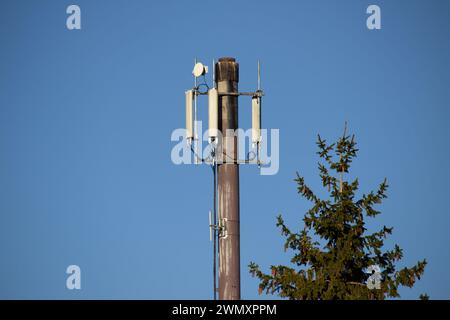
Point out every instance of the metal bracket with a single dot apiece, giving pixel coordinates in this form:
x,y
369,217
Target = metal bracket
x,y
221,227
258,93
223,232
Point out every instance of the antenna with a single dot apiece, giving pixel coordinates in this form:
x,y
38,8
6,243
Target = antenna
x,y
195,116
189,97
214,73
256,116
213,110
222,106
199,69
256,120
259,76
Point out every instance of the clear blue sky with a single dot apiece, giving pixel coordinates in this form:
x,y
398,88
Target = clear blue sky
x,y
86,117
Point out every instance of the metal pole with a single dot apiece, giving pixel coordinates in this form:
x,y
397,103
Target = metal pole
x,y
227,78
216,239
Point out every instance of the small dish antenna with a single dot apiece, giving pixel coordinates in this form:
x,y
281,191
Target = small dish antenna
x,y
199,70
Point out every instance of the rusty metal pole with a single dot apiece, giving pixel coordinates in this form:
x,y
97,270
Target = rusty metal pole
x,y
227,78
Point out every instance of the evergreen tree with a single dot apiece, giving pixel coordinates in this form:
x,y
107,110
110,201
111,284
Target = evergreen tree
x,y
335,267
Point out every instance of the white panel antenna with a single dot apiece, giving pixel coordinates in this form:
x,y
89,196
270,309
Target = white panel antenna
x,y
189,132
213,110
256,120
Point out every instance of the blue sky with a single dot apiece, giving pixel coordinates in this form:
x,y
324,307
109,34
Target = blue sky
x,y
86,117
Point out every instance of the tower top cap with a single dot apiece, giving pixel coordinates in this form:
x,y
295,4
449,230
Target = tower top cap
x,y
227,59
227,69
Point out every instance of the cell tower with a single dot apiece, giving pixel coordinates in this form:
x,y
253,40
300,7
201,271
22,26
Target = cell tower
x,y
223,158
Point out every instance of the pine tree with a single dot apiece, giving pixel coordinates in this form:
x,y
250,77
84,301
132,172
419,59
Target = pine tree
x,y
335,267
